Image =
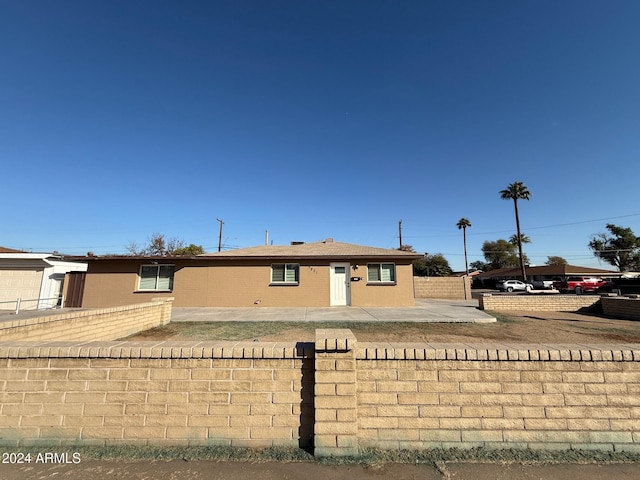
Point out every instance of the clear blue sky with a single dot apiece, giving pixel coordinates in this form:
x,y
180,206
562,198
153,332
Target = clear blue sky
x,y
317,119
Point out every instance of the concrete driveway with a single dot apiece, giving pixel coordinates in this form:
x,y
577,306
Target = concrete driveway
x,y
425,310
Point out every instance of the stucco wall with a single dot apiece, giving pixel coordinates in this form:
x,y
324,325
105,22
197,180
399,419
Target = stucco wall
x,y
241,285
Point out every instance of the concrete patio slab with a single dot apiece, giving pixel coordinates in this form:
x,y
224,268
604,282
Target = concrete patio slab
x,y
425,310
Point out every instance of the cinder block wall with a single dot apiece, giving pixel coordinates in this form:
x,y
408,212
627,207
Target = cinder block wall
x,y
176,394
498,397
86,325
627,307
458,288
541,303
338,394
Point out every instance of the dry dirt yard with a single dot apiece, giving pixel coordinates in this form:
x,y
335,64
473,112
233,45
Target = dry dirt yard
x,y
511,327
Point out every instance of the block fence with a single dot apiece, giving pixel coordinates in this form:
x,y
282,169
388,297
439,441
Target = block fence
x,y
336,395
626,307
537,302
86,325
616,306
458,288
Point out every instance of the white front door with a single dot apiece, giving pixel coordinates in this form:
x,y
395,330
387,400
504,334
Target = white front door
x,y
340,284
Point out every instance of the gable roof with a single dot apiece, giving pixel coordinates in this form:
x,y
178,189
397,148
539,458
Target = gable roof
x,y
326,249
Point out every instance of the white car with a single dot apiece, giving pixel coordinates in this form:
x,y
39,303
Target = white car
x,y
511,285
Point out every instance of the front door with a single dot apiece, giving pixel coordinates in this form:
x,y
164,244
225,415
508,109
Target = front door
x,y
340,285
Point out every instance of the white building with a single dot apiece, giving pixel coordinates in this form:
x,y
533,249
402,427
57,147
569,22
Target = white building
x,y
33,279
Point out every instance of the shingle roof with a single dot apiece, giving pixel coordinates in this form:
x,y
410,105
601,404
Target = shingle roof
x,y
324,249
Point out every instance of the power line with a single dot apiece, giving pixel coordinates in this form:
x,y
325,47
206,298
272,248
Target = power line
x,y
567,224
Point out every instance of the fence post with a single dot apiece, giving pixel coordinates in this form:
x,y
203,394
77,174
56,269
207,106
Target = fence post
x,y
335,402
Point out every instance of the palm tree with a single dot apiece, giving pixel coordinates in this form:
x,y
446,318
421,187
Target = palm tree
x,y
513,239
517,191
462,224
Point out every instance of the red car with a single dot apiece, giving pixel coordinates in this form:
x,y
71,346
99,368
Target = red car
x,y
579,285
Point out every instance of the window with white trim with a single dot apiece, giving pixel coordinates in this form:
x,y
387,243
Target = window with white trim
x,y
286,273
381,272
156,278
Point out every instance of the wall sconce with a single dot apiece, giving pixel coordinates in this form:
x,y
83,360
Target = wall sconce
x,y
355,267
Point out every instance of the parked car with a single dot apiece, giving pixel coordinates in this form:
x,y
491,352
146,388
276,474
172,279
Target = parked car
x,y
579,285
542,284
511,285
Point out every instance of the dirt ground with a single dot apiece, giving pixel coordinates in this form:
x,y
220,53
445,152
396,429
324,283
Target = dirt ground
x,y
210,470
511,327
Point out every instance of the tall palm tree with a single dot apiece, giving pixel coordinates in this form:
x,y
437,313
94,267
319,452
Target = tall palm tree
x,y
513,239
517,191
462,224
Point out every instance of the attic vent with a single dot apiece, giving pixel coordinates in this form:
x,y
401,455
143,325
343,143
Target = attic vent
x,y
328,240
297,243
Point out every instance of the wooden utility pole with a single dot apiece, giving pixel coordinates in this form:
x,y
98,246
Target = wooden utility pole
x,y
400,233
220,235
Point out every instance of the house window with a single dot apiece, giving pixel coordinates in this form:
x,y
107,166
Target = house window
x,y
288,273
156,277
381,273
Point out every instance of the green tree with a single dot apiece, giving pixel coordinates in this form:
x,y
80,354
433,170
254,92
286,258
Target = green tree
x,y
432,265
500,254
463,224
190,249
517,191
555,260
159,246
620,248
480,265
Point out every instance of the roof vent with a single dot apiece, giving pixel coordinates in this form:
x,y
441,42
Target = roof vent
x,y
297,243
328,240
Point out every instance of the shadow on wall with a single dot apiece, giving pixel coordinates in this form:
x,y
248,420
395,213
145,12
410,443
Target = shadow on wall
x,y
307,409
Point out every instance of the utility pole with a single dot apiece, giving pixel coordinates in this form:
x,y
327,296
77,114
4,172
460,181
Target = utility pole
x,y
220,235
400,233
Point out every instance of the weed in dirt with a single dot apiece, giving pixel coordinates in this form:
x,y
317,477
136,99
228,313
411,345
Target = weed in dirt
x,y
367,457
239,331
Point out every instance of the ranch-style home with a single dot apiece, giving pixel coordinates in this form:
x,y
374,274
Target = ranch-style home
x,y
318,274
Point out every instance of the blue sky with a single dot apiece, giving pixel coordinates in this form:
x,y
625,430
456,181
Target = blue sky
x,y
317,119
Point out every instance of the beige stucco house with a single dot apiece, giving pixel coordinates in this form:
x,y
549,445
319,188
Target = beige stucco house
x,y
325,273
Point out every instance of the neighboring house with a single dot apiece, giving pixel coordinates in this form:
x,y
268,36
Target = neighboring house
x,y
542,272
325,273
36,279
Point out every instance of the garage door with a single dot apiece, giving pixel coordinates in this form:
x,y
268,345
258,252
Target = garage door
x,y
15,283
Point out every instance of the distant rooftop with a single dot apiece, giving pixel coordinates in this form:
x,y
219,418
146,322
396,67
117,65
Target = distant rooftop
x,y
559,270
10,250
